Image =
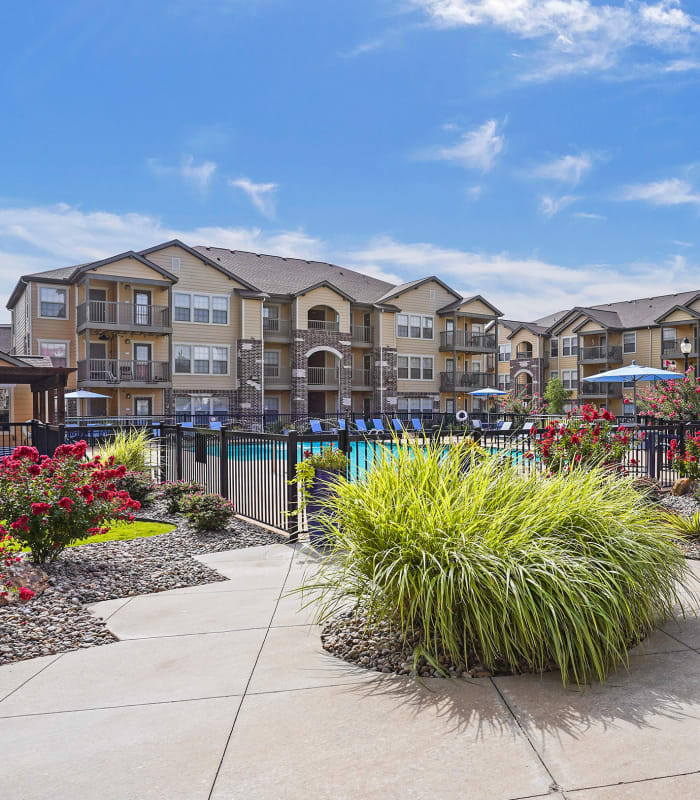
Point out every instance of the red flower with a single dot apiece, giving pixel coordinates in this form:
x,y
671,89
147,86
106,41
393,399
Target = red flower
x,y
25,594
40,508
65,503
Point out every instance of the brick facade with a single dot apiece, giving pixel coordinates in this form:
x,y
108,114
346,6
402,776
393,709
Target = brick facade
x,y
535,366
385,374
250,370
302,342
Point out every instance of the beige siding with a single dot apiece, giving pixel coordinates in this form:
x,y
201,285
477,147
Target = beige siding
x,y
476,307
128,268
22,406
676,316
20,322
56,330
323,296
387,319
590,327
252,318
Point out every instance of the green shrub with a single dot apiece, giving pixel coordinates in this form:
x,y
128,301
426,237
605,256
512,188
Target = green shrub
x,y
207,512
688,527
515,568
128,448
140,485
174,491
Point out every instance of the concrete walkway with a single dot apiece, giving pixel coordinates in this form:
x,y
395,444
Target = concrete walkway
x,y
223,691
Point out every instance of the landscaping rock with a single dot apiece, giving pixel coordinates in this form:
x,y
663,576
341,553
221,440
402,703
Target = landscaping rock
x,y
23,574
681,486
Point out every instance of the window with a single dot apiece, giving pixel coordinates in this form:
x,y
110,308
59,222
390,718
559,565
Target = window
x,y
415,328
554,348
416,368
201,360
669,334
504,351
182,307
174,264
504,382
569,346
52,303
219,310
553,375
200,404
402,325
272,404
449,405
56,351
477,329
427,327
201,308
183,405
183,358
569,378
219,360
476,366
432,293
629,342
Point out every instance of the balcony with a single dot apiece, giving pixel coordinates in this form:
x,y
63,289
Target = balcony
x,y
449,381
104,314
278,377
323,376
671,348
602,354
118,372
362,379
323,325
275,328
361,335
468,342
600,390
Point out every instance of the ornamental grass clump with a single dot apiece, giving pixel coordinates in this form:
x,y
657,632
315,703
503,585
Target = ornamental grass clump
x,y
128,448
514,569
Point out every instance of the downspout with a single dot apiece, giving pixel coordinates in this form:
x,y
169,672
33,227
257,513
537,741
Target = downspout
x,y
381,361
262,361
454,362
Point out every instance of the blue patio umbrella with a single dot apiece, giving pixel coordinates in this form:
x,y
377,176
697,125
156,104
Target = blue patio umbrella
x,y
488,392
631,374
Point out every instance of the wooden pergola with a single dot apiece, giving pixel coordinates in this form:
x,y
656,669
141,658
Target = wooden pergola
x,y
46,382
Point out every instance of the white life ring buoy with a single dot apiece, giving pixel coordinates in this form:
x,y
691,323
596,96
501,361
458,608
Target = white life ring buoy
x,y
462,416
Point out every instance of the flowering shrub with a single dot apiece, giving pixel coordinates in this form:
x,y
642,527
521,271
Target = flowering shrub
x,y
139,485
675,400
510,404
687,463
173,493
207,512
594,439
49,503
8,557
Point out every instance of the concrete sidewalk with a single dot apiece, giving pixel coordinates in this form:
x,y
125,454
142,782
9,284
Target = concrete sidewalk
x,y
224,691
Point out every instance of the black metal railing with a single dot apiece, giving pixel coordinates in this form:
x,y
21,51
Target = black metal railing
x,y
361,334
610,353
118,371
273,326
130,316
466,380
480,342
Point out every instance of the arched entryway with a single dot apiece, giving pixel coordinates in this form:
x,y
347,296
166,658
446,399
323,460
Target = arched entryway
x,y
323,366
523,383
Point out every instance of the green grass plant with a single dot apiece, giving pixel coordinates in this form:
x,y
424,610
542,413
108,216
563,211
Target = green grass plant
x,y
521,569
129,448
688,527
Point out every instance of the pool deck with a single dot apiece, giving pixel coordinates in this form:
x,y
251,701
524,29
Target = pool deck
x,y
223,691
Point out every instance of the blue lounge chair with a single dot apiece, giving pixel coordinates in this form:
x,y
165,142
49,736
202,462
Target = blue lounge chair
x,y
188,424
341,423
315,426
505,426
476,425
398,427
361,426
215,426
378,426
417,425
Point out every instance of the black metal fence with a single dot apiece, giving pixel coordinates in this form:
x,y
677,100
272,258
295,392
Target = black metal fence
x,y
256,470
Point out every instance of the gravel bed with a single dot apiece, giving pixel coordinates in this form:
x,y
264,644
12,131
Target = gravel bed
x,y
685,505
383,649
56,621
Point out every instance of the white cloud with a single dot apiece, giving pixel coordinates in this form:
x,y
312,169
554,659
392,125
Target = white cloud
x,y
262,195
198,175
525,287
670,192
551,206
566,169
587,215
572,36
475,192
476,149
681,243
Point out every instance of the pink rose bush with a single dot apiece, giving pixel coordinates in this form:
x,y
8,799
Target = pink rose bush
x,y
594,439
49,503
673,401
686,461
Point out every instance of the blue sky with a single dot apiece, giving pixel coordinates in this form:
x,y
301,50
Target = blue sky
x,y
542,153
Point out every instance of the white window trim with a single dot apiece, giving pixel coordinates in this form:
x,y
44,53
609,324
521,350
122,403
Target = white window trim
x,y
55,341
573,340
629,333
210,398
210,374
421,356
55,288
551,342
422,317
191,320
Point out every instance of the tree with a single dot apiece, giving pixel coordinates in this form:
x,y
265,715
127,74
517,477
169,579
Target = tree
x,y
556,396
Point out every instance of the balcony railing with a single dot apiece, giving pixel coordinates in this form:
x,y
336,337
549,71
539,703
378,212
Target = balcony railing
x,y
601,353
273,326
362,377
323,325
361,334
276,376
323,376
123,316
117,371
671,348
612,390
466,380
461,340
524,353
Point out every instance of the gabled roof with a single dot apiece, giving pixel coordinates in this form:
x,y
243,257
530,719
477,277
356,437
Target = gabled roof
x,y
203,257
326,284
405,287
464,300
684,309
128,254
607,319
277,275
537,330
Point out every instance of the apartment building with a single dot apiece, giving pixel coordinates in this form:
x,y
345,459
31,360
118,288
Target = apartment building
x,y
581,341
180,329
